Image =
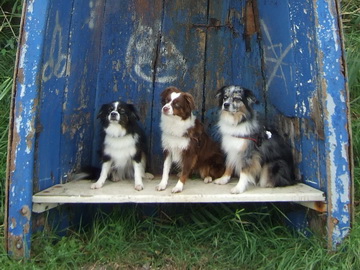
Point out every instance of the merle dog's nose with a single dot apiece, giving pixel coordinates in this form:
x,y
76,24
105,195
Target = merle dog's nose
x,y
226,105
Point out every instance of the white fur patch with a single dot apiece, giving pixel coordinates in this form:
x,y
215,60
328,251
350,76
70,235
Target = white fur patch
x,y
229,126
115,104
165,177
174,125
173,129
231,143
120,149
178,187
174,95
223,180
244,181
115,130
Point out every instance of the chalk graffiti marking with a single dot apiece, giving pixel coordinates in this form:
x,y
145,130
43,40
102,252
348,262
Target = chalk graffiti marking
x,y
278,55
56,64
141,57
92,18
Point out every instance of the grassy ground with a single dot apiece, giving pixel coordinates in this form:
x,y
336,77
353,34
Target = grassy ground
x,y
197,237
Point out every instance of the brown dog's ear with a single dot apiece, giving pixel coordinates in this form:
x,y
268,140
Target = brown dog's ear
x,y
190,100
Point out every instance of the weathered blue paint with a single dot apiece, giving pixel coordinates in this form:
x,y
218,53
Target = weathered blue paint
x,y
76,55
23,145
336,126
51,90
227,59
278,56
78,106
291,82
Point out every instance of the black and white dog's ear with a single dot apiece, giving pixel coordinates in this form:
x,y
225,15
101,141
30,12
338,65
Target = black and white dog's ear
x,y
103,111
133,113
251,99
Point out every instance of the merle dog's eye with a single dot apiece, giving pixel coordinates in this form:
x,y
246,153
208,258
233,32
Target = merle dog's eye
x,y
236,99
226,97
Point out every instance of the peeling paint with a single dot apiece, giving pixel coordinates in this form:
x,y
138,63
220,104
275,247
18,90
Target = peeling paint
x,y
336,128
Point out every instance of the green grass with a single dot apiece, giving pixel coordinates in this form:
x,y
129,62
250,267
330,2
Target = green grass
x,y
191,240
10,13
351,20
197,237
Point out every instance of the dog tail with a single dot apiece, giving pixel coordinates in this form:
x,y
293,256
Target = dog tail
x,y
88,173
281,173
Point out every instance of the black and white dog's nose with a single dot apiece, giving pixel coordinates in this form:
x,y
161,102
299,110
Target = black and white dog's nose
x,y
113,115
226,105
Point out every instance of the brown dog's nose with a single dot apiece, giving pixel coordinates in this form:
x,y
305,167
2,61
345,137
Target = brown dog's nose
x,y
165,109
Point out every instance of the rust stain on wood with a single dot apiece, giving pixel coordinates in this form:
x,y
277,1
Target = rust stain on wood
x,y
251,23
317,116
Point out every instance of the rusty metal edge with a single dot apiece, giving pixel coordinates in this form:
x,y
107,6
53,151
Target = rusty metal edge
x,y
11,126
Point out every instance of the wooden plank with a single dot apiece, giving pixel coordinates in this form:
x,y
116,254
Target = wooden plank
x,y
195,191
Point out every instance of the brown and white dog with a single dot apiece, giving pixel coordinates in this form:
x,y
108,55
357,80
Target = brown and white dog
x,y
185,142
258,156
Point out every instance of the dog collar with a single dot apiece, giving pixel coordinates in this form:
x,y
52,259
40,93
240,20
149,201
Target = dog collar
x,y
256,139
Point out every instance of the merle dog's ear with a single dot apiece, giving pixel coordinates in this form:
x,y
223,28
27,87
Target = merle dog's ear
x,y
103,111
250,97
220,91
133,113
220,95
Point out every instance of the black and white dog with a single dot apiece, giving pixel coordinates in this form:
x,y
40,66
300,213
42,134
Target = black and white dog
x,y
124,146
258,156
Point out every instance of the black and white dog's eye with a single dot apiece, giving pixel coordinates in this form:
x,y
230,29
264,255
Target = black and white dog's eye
x,y
226,97
121,111
236,99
